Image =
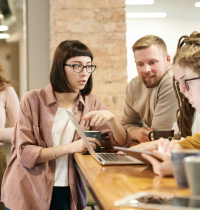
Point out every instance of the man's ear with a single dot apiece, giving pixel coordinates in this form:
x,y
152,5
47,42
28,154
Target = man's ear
x,y
168,58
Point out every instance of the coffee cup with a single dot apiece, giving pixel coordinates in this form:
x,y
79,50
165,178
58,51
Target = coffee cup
x,y
192,170
94,134
178,164
164,133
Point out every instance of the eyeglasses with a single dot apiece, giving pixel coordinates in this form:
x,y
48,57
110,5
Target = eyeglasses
x,y
78,68
187,84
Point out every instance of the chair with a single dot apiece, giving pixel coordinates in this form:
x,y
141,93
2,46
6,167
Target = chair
x,y
90,200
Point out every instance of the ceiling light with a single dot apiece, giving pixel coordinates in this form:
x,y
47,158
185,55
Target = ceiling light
x,y
3,28
197,4
146,14
4,36
139,2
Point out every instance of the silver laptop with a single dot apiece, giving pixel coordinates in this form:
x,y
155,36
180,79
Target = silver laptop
x,y
103,158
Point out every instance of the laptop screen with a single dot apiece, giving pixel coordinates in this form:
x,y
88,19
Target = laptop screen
x,y
82,135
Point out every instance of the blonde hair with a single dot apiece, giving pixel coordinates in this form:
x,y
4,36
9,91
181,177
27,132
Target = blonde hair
x,y
188,52
187,55
147,41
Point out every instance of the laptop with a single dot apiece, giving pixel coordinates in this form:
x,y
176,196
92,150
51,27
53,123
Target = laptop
x,y
103,158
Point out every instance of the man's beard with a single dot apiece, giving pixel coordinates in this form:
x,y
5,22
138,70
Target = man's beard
x,y
152,82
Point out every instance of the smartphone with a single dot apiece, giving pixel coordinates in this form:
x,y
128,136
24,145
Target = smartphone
x,y
159,201
136,154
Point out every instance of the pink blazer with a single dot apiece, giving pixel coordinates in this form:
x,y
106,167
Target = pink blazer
x,y
28,184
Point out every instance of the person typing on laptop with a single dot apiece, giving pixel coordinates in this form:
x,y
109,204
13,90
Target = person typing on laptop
x,y
41,173
186,59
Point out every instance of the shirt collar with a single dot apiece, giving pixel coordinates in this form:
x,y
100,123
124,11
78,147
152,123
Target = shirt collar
x,y
50,97
80,99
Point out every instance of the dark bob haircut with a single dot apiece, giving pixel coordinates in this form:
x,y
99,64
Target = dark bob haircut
x,y
66,50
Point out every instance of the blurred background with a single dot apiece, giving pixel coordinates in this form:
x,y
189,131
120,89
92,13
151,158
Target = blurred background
x,y
30,31
181,18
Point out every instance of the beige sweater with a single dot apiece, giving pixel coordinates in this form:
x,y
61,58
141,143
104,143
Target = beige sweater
x,y
152,107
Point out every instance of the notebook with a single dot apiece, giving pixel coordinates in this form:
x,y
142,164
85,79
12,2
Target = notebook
x,y
103,158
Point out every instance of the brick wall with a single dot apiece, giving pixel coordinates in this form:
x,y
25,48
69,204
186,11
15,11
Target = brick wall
x,y
100,24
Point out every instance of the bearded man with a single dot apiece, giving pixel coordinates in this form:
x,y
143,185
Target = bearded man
x,y
150,98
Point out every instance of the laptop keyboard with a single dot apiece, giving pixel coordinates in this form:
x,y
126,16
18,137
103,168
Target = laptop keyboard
x,y
114,157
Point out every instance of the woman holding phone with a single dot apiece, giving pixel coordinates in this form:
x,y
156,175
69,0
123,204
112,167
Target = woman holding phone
x,y
41,173
187,59
188,117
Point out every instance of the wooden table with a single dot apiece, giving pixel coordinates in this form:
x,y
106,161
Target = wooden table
x,y
110,183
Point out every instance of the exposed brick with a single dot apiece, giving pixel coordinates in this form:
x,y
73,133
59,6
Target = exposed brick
x,y
111,61
52,43
117,3
112,99
63,4
117,110
100,24
89,27
119,74
100,14
109,49
97,14
90,4
111,74
62,37
109,88
98,39
74,15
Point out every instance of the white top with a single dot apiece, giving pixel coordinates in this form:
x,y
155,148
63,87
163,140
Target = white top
x,y
195,124
175,128
62,133
9,106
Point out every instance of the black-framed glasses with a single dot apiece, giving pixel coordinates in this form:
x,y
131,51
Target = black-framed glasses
x,y
78,68
187,85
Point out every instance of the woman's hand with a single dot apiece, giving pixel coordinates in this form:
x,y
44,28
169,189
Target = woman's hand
x,y
99,118
163,168
146,146
167,146
79,145
50,153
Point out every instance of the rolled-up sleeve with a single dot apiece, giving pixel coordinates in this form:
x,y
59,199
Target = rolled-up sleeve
x,y
107,138
26,138
191,142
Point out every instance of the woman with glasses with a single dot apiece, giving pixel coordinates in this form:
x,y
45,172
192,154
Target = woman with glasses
x,y
41,173
187,59
9,107
188,118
